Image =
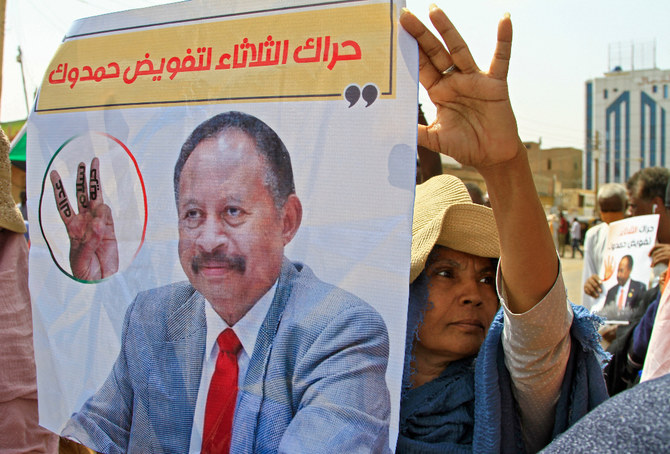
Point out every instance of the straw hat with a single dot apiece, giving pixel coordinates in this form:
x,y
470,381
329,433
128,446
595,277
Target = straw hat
x,y
10,215
445,215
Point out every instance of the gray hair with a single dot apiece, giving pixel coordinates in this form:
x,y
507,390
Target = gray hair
x,y
611,190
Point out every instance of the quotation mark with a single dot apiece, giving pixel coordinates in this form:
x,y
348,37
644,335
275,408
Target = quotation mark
x,y
353,93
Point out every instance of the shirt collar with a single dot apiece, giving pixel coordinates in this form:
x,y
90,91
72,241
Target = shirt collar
x,y
246,329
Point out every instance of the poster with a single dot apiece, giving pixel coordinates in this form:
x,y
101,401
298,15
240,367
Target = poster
x,y
124,229
626,266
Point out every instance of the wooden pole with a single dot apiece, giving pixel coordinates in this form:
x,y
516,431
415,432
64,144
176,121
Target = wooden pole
x,y
19,58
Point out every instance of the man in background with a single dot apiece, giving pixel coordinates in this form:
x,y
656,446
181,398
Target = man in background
x,y
612,203
646,195
576,237
563,228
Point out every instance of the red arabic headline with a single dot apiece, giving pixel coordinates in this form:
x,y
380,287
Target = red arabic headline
x,y
244,55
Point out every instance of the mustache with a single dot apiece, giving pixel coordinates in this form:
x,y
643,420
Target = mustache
x,y
219,259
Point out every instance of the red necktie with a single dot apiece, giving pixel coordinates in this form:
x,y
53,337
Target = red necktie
x,y
222,396
621,300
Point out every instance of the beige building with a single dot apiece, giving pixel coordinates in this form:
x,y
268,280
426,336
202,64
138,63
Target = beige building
x,y
557,173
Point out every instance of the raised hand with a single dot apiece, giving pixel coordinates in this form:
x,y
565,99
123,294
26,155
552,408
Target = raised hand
x,y
609,267
475,123
94,253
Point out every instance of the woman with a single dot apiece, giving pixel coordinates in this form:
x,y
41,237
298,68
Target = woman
x,y
538,369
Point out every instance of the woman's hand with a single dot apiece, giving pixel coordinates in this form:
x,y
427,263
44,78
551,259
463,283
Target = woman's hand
x,y
475,123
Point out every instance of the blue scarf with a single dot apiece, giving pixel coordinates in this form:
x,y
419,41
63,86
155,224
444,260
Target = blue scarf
x,y
463,410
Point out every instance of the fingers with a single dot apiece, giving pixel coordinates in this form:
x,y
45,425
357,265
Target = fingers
x,y
659,258
458,49
592,286
62,202
428,139
433,49
95,193
82,192
500,63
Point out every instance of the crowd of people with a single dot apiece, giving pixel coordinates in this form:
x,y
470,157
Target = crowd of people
x,y
497,359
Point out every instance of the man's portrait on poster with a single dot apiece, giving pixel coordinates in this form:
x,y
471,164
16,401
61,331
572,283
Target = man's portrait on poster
x,y
308,359
626,291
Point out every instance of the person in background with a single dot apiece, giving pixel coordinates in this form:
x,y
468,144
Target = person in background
x,y
612,203
563,229
637,420
646,195
651,337
630,343
576,237
19,429
552,222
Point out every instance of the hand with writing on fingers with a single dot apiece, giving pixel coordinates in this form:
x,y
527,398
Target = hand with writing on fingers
x,y
474,123
93,248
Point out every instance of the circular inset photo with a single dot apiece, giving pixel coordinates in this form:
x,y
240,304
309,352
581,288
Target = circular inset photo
x,y
93,207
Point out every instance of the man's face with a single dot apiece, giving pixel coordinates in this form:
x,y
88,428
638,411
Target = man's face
x,y
623,272
231,235
637,206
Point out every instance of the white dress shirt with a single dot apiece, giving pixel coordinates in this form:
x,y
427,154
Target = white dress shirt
x,y
246,330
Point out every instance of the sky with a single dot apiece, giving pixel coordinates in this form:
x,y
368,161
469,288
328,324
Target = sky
x,y
557,47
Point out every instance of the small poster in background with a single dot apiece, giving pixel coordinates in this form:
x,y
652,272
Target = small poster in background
x,y
627,266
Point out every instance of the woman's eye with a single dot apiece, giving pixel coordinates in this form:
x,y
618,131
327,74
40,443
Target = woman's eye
x,y
488,280
445,273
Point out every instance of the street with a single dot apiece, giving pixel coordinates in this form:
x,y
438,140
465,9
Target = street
x,y
572,275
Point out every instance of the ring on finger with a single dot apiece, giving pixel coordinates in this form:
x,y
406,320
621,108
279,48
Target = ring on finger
x,y
449,70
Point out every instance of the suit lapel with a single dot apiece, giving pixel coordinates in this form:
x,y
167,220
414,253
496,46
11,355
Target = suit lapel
x,y
175,381
252,393
632,293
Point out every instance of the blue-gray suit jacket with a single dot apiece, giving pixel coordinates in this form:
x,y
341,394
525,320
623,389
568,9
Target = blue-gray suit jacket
x,y
315,383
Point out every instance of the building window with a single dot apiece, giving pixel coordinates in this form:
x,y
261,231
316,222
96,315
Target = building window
x,y
605,93
654,88
665,91
548,164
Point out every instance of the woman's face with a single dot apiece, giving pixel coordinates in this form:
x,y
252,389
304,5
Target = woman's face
x,y
462,303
